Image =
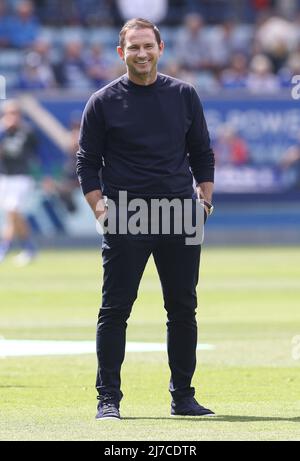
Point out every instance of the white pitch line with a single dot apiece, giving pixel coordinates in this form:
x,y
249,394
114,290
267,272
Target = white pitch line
x,y
21,348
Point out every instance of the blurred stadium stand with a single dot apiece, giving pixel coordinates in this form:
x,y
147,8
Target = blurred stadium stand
x,y
240,56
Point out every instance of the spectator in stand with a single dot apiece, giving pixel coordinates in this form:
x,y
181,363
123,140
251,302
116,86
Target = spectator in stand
x,y
194,54
261,78
154,11
94,12
277,38
287,8
25,26
224,41
296,24
230,149
291,68
71,70
172,68
235,76
43,47
37,72
98,68
75,12
192,46
202,81
5,25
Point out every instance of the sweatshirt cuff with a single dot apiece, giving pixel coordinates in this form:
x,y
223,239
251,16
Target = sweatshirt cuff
x,y
208,176
90,186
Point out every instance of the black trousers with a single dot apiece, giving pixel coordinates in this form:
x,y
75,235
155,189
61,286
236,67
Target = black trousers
x,y
124,260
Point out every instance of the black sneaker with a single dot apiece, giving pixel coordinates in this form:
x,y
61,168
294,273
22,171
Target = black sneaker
x,y
189,407
107,408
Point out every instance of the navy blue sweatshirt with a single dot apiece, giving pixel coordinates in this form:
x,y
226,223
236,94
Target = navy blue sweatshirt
x,y
146,140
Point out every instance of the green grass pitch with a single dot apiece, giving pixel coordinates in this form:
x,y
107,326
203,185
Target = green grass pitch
x,y
249,308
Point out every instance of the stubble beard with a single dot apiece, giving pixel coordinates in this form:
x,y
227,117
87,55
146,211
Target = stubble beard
x,y
144,74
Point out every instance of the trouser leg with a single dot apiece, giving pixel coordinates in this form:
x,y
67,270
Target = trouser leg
x,y
178,268
124,259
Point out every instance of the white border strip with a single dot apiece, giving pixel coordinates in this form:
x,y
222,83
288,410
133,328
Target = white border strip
x,y
21,348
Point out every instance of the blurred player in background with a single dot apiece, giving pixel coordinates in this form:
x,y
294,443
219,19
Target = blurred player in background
x,y
17,152
65,187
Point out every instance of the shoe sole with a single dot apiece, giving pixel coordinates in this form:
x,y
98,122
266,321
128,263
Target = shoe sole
x,y
208,415
108,418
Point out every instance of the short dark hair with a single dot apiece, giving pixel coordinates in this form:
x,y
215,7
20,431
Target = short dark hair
x,y
138,23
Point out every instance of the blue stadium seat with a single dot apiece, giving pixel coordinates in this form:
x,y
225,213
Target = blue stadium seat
x,y
69,34
11,59
106,36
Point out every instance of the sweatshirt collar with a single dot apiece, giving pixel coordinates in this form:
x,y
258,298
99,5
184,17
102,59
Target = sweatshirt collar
x,y
130,84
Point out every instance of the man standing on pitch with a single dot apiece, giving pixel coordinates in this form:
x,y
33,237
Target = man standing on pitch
x,y
146,133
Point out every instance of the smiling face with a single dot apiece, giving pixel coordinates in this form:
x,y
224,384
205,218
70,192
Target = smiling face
x,y
140,54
